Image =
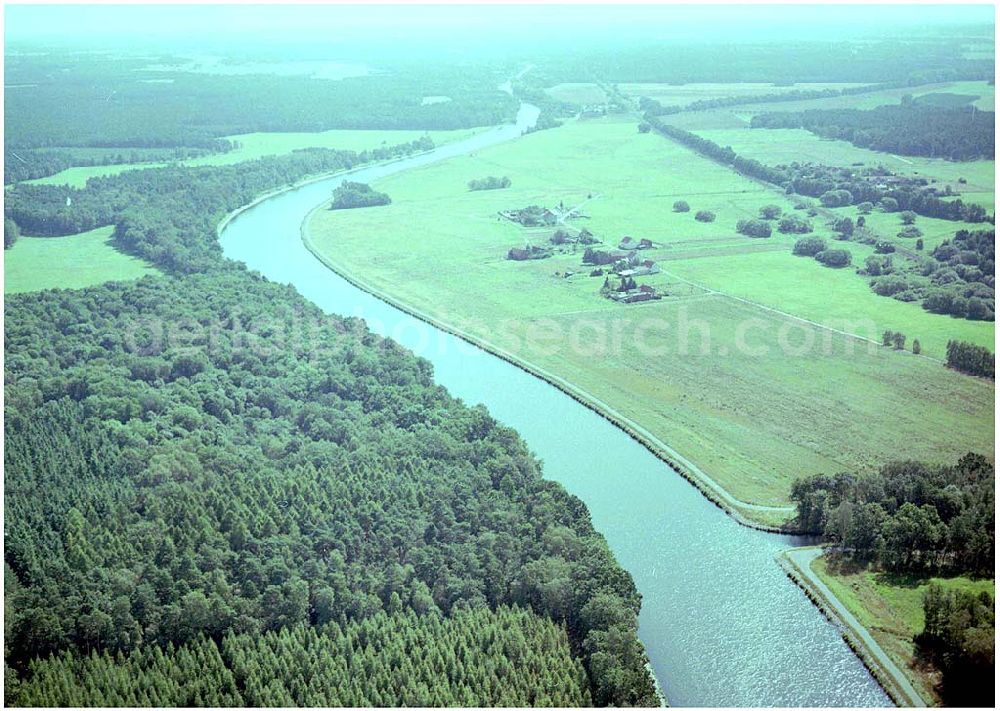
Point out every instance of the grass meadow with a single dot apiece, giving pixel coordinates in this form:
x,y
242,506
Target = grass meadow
x,y
753,396
891,608
70,262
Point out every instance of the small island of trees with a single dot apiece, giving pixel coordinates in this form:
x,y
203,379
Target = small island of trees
x,y
351,195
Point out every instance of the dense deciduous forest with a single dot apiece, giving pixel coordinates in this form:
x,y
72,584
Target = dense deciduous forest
x,y
908,516
912,129
211,455
397,657
915,519
959,638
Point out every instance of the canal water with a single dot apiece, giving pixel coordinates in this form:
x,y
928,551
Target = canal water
x,y
722,624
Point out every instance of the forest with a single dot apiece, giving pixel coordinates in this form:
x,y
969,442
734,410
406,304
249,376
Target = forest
x,y
959,638
94,100
192,458
168,215
396,657
908,516
912,518
911,129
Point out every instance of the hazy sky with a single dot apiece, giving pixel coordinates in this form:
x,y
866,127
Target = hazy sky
x,y
349,23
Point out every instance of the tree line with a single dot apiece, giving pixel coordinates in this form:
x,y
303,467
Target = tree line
x,y
970,358
490,182
912,128
810,179
29,164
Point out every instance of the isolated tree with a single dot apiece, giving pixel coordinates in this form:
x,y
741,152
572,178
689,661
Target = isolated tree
x,y
809,246
834,257
705,216
10,233
908,217
898,341
681,206
865,208
888,204
920,245
844,227
916,347
770,212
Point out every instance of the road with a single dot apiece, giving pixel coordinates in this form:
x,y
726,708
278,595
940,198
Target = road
x,y
801,559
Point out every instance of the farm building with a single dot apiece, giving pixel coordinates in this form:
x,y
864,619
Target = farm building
x,y
632,296
629,244
644,268
531,216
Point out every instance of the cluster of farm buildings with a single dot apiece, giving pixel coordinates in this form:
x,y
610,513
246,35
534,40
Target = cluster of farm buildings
x,y
623,263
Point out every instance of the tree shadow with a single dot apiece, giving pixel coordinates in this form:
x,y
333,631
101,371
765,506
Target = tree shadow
x,y
902,579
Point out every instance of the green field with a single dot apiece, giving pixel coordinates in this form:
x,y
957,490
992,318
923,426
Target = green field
x,y
684,94
71,262
750,401
257,145
891,608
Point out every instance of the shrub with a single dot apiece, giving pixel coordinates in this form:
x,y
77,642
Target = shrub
x,y
681,206
705,216
888,204
770,212
844,227
834,257
885,247
909,232
836,198
793,224
489,183
865,208
809,246
753,228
